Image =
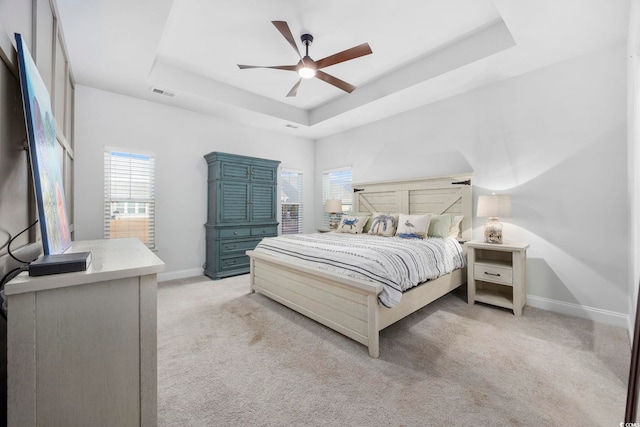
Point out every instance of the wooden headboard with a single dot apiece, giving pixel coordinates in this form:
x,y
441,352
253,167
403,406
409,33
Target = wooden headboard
x,y
438,195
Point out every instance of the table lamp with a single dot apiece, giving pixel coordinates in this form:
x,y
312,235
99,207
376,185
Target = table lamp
x,y
493,207
333,206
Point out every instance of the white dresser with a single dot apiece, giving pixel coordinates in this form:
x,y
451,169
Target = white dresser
x,y
81,347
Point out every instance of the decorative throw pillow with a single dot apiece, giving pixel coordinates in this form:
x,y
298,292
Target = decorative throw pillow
x,y
454,230
383,224
352,224
439,225
413,226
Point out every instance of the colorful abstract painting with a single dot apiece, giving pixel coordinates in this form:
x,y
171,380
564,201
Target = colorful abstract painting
x,y
47,176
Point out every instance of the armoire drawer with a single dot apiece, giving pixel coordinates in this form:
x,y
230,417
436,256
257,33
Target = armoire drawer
x,y
234,262
265,231
234,232
238,246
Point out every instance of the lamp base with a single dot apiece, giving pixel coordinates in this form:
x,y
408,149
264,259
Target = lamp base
x,y
334,221
493,231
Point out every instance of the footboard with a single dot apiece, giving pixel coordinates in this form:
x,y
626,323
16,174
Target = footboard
x,y
346,305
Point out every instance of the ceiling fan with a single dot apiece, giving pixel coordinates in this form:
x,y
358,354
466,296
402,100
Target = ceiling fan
x,y
308,68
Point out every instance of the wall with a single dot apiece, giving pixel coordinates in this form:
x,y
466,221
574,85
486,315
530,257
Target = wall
x,y
179,139
17,201
555,139
633,142
47,47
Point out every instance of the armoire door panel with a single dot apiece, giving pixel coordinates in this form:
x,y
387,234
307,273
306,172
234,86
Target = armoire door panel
x,y
233,202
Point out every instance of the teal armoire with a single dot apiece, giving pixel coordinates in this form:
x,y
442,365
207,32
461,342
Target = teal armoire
x,y
242,209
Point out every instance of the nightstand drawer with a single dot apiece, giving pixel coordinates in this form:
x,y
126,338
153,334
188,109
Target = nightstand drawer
x,y
493,273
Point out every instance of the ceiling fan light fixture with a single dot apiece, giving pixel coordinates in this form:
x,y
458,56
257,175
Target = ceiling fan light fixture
x,y
307,72
307,68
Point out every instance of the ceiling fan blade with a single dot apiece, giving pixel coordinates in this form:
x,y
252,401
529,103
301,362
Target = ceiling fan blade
x,y
335,81
345,55
294,89
277,67
283,27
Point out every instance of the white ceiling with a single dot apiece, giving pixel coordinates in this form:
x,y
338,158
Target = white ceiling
x,y
423,51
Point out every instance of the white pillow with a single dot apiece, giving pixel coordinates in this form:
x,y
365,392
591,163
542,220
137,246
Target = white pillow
x,y
352,224
383,224
413,226
454,230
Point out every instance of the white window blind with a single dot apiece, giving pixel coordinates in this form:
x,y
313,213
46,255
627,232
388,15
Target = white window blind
x,y
336,184
129,195
291,201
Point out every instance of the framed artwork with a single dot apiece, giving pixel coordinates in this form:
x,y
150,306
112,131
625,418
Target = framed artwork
x,y
43,154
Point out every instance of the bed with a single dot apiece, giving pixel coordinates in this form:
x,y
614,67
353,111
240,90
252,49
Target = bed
x,y
350,305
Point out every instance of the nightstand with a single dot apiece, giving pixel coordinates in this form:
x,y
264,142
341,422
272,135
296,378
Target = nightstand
x,y
496,274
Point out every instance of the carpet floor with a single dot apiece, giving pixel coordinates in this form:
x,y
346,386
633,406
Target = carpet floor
x,y
230,358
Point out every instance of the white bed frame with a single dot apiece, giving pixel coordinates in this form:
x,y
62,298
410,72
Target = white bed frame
x,y
350,306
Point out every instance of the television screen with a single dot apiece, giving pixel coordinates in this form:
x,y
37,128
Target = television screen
x,y
41,135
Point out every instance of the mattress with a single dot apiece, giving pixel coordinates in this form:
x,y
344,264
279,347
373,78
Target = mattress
x,y
396,263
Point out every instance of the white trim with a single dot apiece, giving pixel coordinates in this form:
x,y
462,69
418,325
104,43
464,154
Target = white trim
x,y
110,148
8,52
180,274
300,190
63,140
343,168
285,169
596,314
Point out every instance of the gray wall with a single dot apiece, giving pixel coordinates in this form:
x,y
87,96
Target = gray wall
x,y
179,139
555,139
17,204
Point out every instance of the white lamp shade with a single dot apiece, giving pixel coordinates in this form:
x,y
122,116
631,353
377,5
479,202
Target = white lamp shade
x,y
495,205
333,206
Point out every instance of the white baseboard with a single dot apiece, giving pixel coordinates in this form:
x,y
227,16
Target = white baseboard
x,y
180,274
595,314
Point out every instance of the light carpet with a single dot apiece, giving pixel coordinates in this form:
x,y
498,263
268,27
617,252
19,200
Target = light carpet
x,y
230,358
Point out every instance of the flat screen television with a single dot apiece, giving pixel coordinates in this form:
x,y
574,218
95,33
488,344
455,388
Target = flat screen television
x,y
43,154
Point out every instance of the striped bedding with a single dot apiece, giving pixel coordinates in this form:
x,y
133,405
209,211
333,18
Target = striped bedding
x,y
398,264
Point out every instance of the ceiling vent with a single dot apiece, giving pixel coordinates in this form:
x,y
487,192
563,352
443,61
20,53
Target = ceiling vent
x,y
162,92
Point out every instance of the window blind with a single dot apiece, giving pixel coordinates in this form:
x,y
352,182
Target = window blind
x,y
336,184
291,201
129,196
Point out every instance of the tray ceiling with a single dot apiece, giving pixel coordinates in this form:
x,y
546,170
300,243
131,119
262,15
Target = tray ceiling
x,y
423,51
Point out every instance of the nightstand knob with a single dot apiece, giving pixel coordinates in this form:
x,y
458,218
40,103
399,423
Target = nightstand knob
x,y
492,274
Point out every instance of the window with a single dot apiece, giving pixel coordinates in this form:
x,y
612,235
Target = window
x,y
336,184
129,195
291,201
